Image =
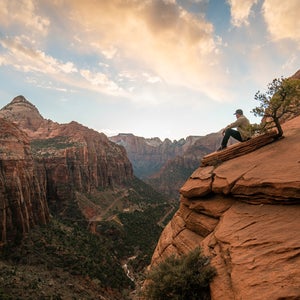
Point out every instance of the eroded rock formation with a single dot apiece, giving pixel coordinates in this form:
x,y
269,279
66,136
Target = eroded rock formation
x,y
22,185
41,159
244,213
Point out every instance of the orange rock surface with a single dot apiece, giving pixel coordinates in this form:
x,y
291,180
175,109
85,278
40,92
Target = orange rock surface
x,y
244,213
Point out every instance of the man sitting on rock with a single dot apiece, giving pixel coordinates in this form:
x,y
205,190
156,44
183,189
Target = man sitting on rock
x,y
241,134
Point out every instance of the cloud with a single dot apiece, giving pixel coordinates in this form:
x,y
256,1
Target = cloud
x,y
240,11
158,37
31,60
100,79
23,13
282,18
155,37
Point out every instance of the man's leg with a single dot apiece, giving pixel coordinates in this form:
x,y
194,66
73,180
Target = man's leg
x,y
228,133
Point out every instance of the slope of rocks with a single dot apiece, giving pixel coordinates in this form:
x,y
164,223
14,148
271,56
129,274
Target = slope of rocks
x,y
244,213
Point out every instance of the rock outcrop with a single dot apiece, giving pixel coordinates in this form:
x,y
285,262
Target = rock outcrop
x,y
244,213
22,185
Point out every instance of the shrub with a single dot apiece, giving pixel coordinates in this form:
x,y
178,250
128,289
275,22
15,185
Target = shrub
x,y
182,278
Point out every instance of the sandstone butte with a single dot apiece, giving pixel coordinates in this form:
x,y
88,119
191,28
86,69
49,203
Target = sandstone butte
x,y
245,215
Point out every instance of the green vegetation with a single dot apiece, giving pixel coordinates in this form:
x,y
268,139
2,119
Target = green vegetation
x,y
136,232
4,295
183,278
281,99
45,146
67,244
142,192
73,249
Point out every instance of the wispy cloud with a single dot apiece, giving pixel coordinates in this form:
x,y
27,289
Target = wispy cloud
x,y
31,60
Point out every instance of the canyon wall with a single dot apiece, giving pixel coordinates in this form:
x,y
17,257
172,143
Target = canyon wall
x,y
22,185
165,165
43,160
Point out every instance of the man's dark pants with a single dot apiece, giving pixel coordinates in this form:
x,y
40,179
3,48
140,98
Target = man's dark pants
x,y
228,133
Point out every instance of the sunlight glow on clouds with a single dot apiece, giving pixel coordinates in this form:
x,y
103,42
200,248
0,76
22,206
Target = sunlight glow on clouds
x,y
22,13
240,11
99,79
31,60
159,36
282,18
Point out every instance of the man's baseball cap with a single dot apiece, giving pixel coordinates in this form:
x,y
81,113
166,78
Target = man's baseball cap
x,y
238,112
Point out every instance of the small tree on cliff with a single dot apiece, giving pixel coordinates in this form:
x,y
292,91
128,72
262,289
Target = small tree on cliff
x,y
281,100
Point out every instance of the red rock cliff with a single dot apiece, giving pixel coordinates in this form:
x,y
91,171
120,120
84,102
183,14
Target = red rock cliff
x,y
22,185
71,158
244,213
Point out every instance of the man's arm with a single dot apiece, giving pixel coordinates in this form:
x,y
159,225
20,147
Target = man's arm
x,y
233,125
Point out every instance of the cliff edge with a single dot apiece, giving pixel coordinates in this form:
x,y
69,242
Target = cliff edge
x,y
244,213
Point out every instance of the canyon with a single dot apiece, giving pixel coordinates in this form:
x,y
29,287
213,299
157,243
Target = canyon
x,y
242,212
165,165
70,205
60,162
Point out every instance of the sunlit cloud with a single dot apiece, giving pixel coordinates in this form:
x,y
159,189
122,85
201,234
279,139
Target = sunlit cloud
x,y
32,60
240,11
282,18
23,13
100,79
158,36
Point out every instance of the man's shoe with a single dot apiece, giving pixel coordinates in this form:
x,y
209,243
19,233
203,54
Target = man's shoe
x,y
222,148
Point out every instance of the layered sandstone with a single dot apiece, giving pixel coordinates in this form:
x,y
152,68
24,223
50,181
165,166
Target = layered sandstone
x,y
22,185
244,213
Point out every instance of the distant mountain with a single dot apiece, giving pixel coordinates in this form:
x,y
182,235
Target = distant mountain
x,y
148,156
165,165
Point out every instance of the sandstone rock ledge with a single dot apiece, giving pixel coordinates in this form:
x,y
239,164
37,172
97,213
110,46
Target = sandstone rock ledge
x,y
245,214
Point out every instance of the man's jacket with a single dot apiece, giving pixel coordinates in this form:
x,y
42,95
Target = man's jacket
x,y
242,124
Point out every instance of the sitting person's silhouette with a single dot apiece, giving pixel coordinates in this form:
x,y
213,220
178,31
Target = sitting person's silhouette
x,y
241,134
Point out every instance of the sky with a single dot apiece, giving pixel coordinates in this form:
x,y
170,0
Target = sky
x,y
154,68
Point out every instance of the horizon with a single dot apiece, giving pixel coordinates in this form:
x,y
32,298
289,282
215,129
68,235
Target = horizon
x,y
160,68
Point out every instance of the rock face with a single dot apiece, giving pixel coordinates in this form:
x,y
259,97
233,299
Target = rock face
x,y
52,161
22,185
244,213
